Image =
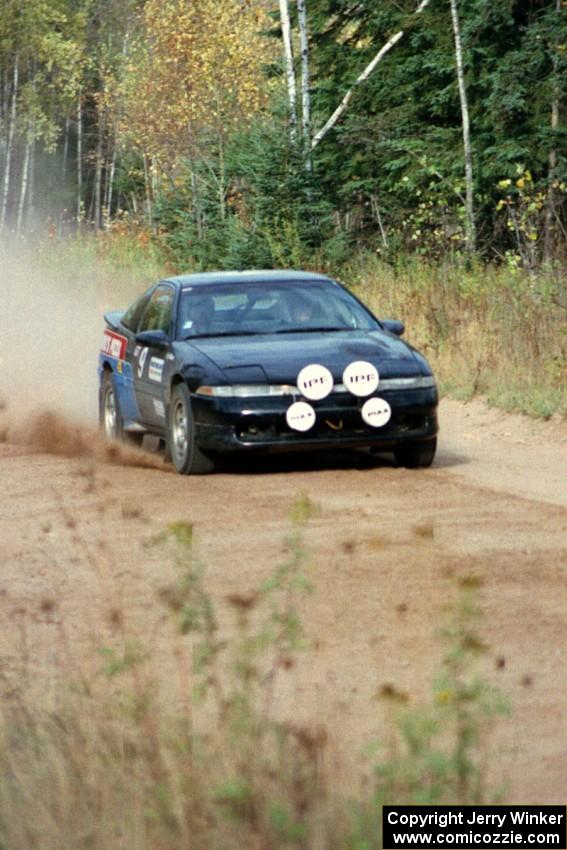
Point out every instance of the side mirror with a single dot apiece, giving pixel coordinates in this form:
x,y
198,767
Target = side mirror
x,y
153,339
394,326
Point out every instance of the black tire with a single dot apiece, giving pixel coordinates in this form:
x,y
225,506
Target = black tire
x,y
110,416
186,455
417,454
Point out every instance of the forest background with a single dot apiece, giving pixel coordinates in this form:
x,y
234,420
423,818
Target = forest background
x,y
417,149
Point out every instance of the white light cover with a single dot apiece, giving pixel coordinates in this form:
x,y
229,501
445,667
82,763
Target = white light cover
x,y
361,378
315,382
376,412
300,416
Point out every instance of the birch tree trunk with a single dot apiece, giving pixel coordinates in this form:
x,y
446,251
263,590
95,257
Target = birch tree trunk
x,y
110,182
24,184
470,228
320,135
65,148
89,213
5,92
31,186
79,157
375,207
98,170
196,200
104,192
154,178
149,207
550,208
222,179
9,149
305,91
289,69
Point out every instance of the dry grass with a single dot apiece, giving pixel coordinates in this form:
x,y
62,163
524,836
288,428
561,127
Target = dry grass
x,y
134,750
491,332
131,747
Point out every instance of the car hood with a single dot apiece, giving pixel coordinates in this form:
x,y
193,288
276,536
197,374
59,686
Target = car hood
x,y
278,358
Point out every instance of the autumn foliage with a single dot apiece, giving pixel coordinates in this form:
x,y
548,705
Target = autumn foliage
x,y
193,76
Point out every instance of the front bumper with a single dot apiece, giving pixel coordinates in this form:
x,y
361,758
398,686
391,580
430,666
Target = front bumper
x,y
259,424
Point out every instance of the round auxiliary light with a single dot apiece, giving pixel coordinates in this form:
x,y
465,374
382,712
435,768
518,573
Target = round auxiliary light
x,y
315,382
376,412
361,378
300,416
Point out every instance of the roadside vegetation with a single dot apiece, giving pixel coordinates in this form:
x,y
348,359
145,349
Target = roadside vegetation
x,y
487,331
188,749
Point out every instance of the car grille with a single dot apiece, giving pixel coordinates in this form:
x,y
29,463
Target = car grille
x,y
340,427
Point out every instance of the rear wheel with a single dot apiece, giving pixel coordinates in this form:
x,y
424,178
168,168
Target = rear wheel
x,y
111,418
186,455
416,454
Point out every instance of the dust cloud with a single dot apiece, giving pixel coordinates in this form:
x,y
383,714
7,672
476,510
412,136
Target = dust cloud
x,y
54,433
51,327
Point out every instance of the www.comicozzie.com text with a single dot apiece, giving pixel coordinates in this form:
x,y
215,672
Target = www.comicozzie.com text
x,y
476,818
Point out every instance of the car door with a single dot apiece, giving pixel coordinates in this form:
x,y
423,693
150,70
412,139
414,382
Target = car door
x,y
149,361
125,369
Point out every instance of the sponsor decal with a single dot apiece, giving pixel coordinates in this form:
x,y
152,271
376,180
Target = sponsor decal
x,y
155,370
376,412
120,366
361,378
159,408
142,355
114,345
315,382
300,416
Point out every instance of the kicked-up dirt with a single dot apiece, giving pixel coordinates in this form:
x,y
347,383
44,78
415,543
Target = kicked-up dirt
x,y
385,544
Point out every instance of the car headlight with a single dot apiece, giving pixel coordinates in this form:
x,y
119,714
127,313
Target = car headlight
x,y
273,390
419,382
247,390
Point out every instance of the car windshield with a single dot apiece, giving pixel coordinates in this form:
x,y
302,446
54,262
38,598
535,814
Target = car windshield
x,y
228,309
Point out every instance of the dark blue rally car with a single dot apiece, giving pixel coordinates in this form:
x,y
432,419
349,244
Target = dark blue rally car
x,y
263,361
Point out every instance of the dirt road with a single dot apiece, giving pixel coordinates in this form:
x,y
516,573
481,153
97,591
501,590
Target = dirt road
x,y
386,545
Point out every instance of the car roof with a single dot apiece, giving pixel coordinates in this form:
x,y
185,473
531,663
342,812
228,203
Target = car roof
x,y
251,276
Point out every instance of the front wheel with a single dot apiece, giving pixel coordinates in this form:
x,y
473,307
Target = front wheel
x,y
186,455
417,454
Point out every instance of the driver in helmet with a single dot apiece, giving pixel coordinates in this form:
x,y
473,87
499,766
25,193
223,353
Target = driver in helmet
x,y
200,313
301,309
